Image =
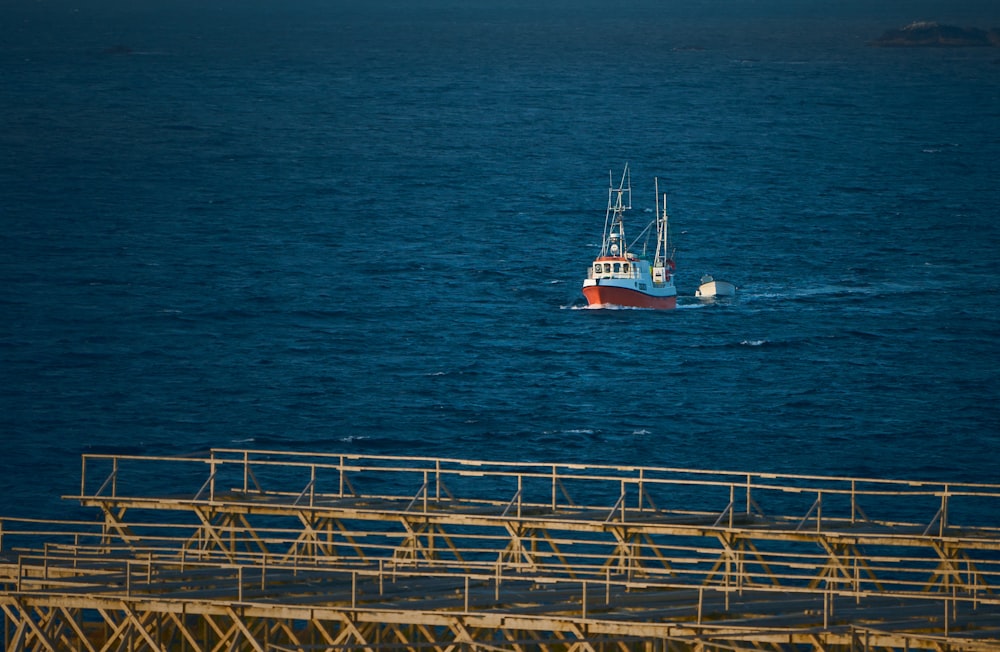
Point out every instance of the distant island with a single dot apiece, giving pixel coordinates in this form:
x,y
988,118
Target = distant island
x,y
931,34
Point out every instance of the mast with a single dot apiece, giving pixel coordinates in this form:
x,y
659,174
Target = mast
x,y
657,260
619,201
662,233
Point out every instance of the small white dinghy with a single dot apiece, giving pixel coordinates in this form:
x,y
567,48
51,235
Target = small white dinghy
x,y
711,288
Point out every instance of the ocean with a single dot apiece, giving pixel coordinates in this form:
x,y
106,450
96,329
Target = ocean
x,y
363,227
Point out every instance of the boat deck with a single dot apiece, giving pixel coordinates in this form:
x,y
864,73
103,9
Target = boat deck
x,y
267,550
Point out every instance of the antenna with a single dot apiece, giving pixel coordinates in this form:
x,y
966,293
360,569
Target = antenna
x,y
656,189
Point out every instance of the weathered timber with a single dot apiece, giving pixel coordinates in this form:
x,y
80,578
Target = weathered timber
x,y
270,550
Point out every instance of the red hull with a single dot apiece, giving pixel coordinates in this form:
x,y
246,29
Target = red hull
x,y
614,296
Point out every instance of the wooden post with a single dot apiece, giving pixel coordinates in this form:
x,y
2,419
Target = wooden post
x,y
828,611
857,582
554,487
211,480
854,500
426,490
943,523
732,504
622,501
520,487
340,468
640,490
246,471
83,479
748,494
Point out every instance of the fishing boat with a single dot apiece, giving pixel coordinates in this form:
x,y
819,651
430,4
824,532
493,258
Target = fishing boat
x,y
628,275
712,287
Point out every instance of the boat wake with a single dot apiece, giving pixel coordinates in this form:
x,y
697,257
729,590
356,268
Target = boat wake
x,y
604,306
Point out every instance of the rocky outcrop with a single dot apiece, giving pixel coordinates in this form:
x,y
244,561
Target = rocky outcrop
x,y
930,34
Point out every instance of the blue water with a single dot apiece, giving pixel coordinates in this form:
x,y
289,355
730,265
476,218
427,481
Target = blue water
x,y
364,228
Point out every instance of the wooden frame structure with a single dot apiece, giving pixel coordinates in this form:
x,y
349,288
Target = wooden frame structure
x,y
270,550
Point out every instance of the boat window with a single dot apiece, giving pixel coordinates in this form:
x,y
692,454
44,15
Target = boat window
x,y
597,268
618,267
607,267
625,267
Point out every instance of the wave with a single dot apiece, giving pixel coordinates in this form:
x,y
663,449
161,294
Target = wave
x,y
160,301
350,439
